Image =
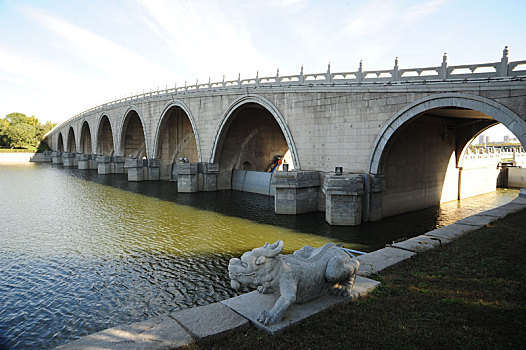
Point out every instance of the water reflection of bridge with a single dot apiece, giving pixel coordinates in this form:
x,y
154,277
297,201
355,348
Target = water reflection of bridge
x,y
399,134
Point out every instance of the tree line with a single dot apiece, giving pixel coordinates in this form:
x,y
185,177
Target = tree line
x,y
19,131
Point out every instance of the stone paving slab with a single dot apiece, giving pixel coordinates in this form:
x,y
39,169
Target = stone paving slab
x,y
500,212
477,220
156,333
419,244
451,232
380,259
209,321
250,305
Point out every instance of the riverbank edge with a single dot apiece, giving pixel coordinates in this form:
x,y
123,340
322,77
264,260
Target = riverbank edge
x,y
216,320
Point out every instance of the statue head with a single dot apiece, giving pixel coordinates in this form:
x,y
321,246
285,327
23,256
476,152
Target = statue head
x,y
255,266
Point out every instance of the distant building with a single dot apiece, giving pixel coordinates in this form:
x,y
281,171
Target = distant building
x,y
481,139
506,138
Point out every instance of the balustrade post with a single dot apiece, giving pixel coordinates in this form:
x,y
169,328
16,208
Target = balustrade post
x,y
395,74
278,79
359,74
503,68
257,78
328,75
302,78
443,68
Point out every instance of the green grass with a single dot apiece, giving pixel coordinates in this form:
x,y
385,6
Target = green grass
x,y
469,294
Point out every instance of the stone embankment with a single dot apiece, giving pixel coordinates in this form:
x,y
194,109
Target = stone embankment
x,y
184,327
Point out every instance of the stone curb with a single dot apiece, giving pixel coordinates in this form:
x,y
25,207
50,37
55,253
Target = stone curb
x,y
181,328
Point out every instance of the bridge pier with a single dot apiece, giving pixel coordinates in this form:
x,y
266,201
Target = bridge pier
x,y
187,177
56,157
69,159
83,161
297,191
117,165
135,169
343,193
207,176
103,165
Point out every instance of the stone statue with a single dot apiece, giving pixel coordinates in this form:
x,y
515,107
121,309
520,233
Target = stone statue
x,y
296,278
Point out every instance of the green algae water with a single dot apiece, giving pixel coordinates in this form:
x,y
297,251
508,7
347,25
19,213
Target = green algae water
x,y
81,252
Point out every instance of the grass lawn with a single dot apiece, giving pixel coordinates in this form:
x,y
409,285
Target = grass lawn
x,y
470,294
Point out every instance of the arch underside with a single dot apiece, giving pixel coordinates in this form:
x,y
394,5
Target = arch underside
x,y
85,139
421,162
71,145
250,140
60,143
105,137
133,142
176,141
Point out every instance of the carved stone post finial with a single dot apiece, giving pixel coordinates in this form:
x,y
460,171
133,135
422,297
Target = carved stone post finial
x,y
302,78
328,76
443,69
223,82
257,78
396,74
278,79
359,75
503,71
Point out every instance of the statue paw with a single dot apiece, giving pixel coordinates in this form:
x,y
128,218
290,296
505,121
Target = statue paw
x,y
340,290
265,318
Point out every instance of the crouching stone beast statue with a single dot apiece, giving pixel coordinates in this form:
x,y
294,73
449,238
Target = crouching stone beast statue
x,y
296,278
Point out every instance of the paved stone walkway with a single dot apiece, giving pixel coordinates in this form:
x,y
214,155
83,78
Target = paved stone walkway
x,y
174,330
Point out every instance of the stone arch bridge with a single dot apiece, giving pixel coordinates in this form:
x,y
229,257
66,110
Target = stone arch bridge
x,y
397,134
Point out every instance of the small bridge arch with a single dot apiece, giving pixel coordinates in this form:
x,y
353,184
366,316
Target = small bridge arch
x,y
105,140
71,145
133,138
176,137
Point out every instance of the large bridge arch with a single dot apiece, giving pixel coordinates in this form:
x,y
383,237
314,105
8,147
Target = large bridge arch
x,y
133,138
86,140
105,139
71,144
419,150
176,137
497,111
250,133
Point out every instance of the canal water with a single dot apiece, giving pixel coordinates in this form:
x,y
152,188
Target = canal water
x,y
80,252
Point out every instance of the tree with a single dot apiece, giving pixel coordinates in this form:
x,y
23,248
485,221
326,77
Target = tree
x,y
21,135
18,130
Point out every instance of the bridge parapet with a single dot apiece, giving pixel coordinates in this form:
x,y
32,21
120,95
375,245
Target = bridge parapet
x,y
502,70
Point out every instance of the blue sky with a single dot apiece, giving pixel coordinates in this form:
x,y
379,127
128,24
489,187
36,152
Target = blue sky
x,y
59,58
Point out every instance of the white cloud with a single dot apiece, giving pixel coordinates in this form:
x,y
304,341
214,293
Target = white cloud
x,y
208,39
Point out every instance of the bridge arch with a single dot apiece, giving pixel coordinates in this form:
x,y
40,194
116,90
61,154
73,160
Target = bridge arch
x,y
60,142
250,133
497,111
105,140
71,145
86,140
176,137
419,151
133,139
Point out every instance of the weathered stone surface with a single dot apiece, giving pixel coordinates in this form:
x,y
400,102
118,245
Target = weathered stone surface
x,y
418,244
295,278
296,179
451,232
251,305
376,261
478,220
161,332
209,321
